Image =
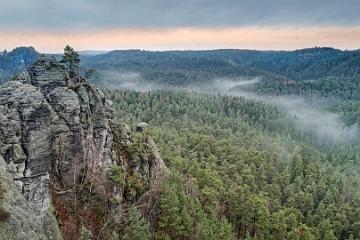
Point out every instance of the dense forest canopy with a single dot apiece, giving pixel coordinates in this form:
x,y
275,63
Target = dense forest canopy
x,y
321,71
258,144
243,169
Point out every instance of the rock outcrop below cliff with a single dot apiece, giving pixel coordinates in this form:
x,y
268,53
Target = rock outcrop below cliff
x,y
57,134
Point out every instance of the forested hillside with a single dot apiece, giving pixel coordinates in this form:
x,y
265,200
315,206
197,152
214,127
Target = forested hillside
x,y
180,120
321,75
16,61
243,169
325,72
257,144
321,71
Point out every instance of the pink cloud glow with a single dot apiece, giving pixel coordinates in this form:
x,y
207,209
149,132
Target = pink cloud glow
x,y
277,38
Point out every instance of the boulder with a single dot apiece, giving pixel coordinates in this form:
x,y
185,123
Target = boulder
x,y
142,126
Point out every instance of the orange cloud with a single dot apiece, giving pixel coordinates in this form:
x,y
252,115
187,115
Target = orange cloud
x,y
276,38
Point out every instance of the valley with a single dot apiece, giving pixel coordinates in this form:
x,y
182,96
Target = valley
x,y
239,144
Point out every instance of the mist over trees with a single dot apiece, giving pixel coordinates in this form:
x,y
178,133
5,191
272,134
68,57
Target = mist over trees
x,y
282,165
242,169
315,71
258,144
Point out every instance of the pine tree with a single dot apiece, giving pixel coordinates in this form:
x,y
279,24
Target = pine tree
x,y
301,233
138,228
225,230
72,60
330,235
170,218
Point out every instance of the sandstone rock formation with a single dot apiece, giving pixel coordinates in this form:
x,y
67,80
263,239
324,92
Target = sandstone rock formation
x,y
24,223
57,134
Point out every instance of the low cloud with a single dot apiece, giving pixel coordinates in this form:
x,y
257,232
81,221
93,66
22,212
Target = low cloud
x,y
126,80
326,127
227,84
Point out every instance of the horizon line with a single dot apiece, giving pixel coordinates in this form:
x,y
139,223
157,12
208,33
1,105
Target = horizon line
x,y
103,51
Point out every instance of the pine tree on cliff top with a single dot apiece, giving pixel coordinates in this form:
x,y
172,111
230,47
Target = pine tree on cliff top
x,y
72,60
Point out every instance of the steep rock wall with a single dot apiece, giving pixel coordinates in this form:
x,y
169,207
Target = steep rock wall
x,y
58,133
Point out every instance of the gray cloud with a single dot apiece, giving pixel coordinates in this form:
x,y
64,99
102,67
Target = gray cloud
x,y
65,14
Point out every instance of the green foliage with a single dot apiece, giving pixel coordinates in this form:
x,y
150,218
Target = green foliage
x,y
175,220
114,236
117,175
182,217
70,55
71,58
135,152
138,228
245,168
85,234
316,71
302,233
350,111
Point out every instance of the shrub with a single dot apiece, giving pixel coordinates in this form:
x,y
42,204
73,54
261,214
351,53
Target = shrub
x,y
138,228
117,175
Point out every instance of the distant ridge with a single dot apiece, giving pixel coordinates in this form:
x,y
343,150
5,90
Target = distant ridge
x,y
284,71
92,52
16,61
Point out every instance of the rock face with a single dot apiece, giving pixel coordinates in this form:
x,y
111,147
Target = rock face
x,y
24,223
56,131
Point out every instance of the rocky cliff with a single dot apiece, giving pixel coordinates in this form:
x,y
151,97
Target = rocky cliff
x,y
61,145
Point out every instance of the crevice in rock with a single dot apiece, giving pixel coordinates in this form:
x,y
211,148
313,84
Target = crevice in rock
x,y
31,177
8,155
22,142
55,110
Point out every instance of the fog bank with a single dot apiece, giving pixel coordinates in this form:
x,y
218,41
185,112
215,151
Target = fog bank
x,y
326,127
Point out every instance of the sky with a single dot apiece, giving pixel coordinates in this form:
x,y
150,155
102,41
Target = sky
x,y
48,25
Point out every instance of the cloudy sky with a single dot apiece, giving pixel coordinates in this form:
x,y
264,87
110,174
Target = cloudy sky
x,y
179,24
